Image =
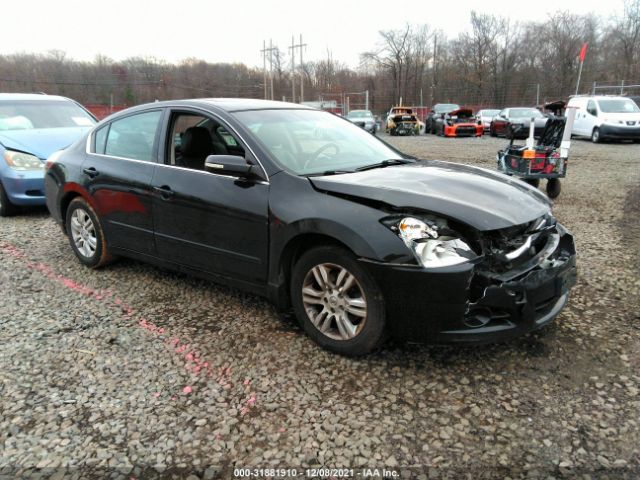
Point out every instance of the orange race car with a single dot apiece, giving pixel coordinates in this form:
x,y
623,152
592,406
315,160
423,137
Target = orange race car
x,y
459,123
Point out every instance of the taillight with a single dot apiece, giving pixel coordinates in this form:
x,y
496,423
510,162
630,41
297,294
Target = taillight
x,y
48,164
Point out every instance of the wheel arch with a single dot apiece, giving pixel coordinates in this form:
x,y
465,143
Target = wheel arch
x,y
290,253
70,192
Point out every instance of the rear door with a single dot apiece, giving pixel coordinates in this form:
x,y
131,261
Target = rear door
x,y
118,171
209,222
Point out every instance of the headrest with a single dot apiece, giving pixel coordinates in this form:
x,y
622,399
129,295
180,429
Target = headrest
x,y
196,141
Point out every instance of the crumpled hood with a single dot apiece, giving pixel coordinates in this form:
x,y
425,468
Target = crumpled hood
x,y
41,142
480,198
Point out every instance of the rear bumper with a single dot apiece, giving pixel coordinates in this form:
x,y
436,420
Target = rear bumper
x,y
620,133
460,305
24,187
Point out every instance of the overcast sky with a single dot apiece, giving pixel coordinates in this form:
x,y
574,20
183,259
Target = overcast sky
x,y
233,31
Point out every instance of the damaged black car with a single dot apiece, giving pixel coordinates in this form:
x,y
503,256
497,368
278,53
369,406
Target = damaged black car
x,y
357,239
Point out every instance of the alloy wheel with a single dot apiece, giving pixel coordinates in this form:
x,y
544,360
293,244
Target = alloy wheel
x,y
83,232
334,301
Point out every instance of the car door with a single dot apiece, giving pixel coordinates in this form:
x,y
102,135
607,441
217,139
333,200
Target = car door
x,y
591,118
118,169
206,221
500,122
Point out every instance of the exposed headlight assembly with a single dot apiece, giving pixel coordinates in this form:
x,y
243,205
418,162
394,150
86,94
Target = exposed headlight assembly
x,y
433,243
22,161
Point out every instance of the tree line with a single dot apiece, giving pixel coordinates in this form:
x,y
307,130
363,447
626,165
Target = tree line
x,y
497,62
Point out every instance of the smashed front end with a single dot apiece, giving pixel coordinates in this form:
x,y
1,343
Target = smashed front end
x,y
404,124
516,281
462,123
522,281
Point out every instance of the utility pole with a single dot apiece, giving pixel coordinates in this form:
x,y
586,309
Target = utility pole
x,y
366,100
264,65
293,69
301,46
537,94
435,68
271,49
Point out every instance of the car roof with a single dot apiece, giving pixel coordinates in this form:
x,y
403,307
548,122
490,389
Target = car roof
x,y
232,104
600,97
32,96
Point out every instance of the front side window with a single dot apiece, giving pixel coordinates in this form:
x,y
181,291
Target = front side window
x,y
194,137
131,137
591,108
41,114
310,142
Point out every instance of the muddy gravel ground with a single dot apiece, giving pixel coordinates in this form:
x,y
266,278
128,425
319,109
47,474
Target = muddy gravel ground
x,y
136,372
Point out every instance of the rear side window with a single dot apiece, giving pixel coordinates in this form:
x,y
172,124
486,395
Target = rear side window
x,y
101,139
131,137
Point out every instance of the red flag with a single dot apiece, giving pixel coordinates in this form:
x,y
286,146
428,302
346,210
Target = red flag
x,y
583,51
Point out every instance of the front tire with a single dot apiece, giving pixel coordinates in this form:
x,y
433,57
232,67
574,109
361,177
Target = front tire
x,y
6,207
492,131
534,182
337,302
86,235
595,135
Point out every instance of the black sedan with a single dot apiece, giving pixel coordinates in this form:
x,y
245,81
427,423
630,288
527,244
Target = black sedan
x,y
515,123
324,219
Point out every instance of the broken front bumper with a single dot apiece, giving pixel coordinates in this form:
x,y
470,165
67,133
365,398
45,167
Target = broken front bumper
x,y
447,305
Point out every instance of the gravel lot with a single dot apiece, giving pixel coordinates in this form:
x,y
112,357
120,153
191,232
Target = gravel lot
x,y
133,371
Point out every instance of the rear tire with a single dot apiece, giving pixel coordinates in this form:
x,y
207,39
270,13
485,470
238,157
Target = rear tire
x,y
341,307
595,135
6,207
553,188
86,235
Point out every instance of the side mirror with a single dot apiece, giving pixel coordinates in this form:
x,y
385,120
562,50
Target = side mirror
x,y
227,165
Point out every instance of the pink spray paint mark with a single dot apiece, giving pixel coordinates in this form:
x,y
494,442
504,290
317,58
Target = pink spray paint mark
x,y
193,360
187,390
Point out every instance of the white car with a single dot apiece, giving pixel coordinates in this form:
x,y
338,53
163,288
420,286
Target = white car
x,y
485,116
605,117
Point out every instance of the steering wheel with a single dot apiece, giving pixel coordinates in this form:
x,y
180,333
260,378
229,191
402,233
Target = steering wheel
x,y
315,156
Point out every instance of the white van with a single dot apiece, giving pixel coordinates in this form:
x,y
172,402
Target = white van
x,y
603,117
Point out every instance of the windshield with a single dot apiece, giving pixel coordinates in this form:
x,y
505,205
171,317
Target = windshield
x,y
309,141
489,113
28,115
359,114
524,113
622,105
445,107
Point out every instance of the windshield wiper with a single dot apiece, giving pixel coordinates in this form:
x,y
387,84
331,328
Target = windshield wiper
x,y
385,163
329,172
